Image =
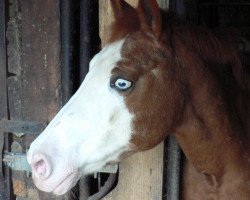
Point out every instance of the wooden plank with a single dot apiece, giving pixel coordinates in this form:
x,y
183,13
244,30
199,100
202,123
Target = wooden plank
x,y
40,59
3,73
3,97
34,66
40,78
140,175
14,89
5,179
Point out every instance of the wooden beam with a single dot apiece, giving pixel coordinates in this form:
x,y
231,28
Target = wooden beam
x,y
140,177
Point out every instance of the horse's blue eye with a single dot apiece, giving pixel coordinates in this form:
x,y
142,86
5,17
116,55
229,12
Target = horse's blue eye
x,y
122,84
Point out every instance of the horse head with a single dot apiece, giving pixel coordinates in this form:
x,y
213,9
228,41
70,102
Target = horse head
x,y
130,99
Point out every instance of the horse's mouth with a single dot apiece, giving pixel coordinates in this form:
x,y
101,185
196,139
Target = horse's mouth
x,y
66,184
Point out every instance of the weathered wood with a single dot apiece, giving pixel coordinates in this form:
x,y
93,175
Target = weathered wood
x,y
3,73
14,88
4,190
140,176
34,66
40,59
40,63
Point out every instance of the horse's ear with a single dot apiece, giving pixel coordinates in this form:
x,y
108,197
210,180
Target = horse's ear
x,y
121,8
126,19
150,16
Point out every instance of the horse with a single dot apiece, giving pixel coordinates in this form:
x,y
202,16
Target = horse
x,y
158,75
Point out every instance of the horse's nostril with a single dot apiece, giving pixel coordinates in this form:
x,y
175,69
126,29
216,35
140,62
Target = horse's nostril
x,y
41,168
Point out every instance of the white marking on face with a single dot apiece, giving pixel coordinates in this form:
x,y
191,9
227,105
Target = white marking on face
x,y
92,129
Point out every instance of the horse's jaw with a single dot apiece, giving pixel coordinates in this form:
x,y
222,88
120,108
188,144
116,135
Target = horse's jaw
x,y
94,128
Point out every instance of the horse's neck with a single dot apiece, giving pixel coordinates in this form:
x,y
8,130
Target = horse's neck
x,y
211,148
209,134
216,155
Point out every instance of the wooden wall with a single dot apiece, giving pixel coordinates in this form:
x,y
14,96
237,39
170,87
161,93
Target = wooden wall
x,y
33,81
140,176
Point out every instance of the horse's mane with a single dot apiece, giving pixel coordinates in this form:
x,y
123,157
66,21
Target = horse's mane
x,y
217,49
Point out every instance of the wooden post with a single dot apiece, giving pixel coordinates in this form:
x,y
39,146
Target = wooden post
x,y
140,176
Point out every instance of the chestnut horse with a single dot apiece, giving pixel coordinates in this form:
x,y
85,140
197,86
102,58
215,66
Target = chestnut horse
x,y
150,81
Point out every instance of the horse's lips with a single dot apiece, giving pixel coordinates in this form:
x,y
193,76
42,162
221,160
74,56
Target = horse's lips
x,y
66,184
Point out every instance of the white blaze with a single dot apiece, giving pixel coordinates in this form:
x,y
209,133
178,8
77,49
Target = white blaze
x,y
93,128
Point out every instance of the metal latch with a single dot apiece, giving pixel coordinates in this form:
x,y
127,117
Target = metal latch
x,y
17,161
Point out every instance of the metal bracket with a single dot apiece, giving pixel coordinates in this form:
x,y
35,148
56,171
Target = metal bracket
x,y
20,128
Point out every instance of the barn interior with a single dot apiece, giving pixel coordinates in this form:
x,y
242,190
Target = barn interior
x,y
45,49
